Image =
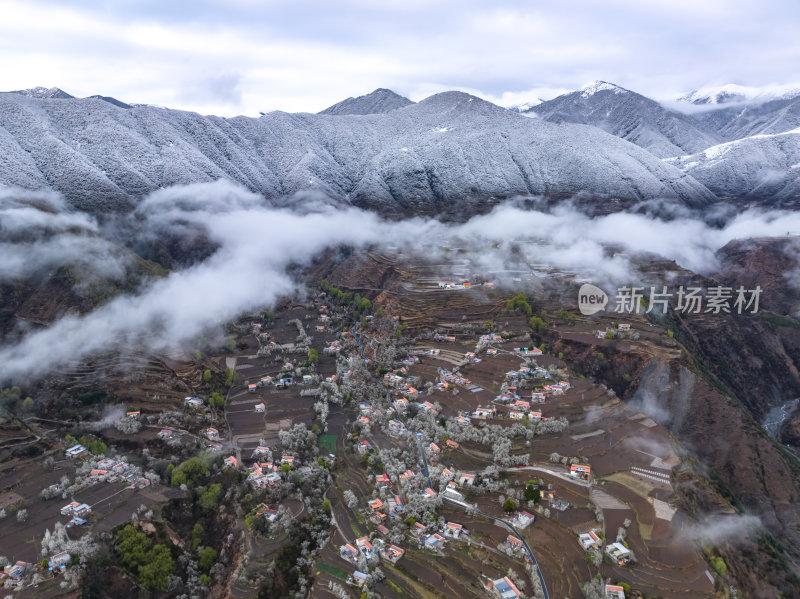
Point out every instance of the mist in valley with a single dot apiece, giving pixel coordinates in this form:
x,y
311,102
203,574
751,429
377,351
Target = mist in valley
x,y
250,244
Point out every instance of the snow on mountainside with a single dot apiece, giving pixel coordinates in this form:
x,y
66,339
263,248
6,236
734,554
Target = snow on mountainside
x,y
761,167
630,116
380,101
525,106
592,88
110,100
733,93
738,121
44,93
447,154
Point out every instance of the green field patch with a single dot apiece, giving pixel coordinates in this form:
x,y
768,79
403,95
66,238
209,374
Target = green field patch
x,y
332,570
328,442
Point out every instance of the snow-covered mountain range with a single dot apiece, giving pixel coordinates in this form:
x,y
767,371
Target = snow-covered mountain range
x,y
732,93
631,116
729,137
44,93
765,168
377,102
451,153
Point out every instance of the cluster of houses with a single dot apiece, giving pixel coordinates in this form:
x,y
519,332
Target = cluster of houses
x,y
518,407
622,327
77,512
447,378
429,407
263,475
471,357
267,474
462,284
334,347
379,509
104,469
491,338
13,575
542,392
390,503
366,548
111,471
619,553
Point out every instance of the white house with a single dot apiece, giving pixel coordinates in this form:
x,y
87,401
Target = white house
x,y
589,540
76,451
614,591
619,553
194,402
504,588
59,560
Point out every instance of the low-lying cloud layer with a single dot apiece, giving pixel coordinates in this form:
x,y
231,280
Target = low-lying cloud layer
x,y
38,234
256,243
724,528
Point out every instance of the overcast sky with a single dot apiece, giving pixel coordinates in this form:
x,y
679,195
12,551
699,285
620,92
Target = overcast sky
x,y
246,56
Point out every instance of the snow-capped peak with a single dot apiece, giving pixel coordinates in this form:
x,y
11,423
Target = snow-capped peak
x,y
43,93
598,86
525,106
732,92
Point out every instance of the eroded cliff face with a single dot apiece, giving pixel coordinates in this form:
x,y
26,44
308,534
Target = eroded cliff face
x,y
742,461
730,466
771,263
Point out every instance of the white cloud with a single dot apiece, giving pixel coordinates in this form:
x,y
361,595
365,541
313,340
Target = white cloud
x,y
255,243
723,528
306,56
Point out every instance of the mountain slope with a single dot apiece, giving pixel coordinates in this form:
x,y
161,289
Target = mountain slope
x,y
110,100
450,153
631,116
738,121
758,167
44,93
380,101
733,93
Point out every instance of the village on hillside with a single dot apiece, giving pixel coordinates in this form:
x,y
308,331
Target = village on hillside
x,y
462,456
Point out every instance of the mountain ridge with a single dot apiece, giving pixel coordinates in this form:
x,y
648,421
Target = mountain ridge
x,y
631,116
735,93
377,102
449,154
